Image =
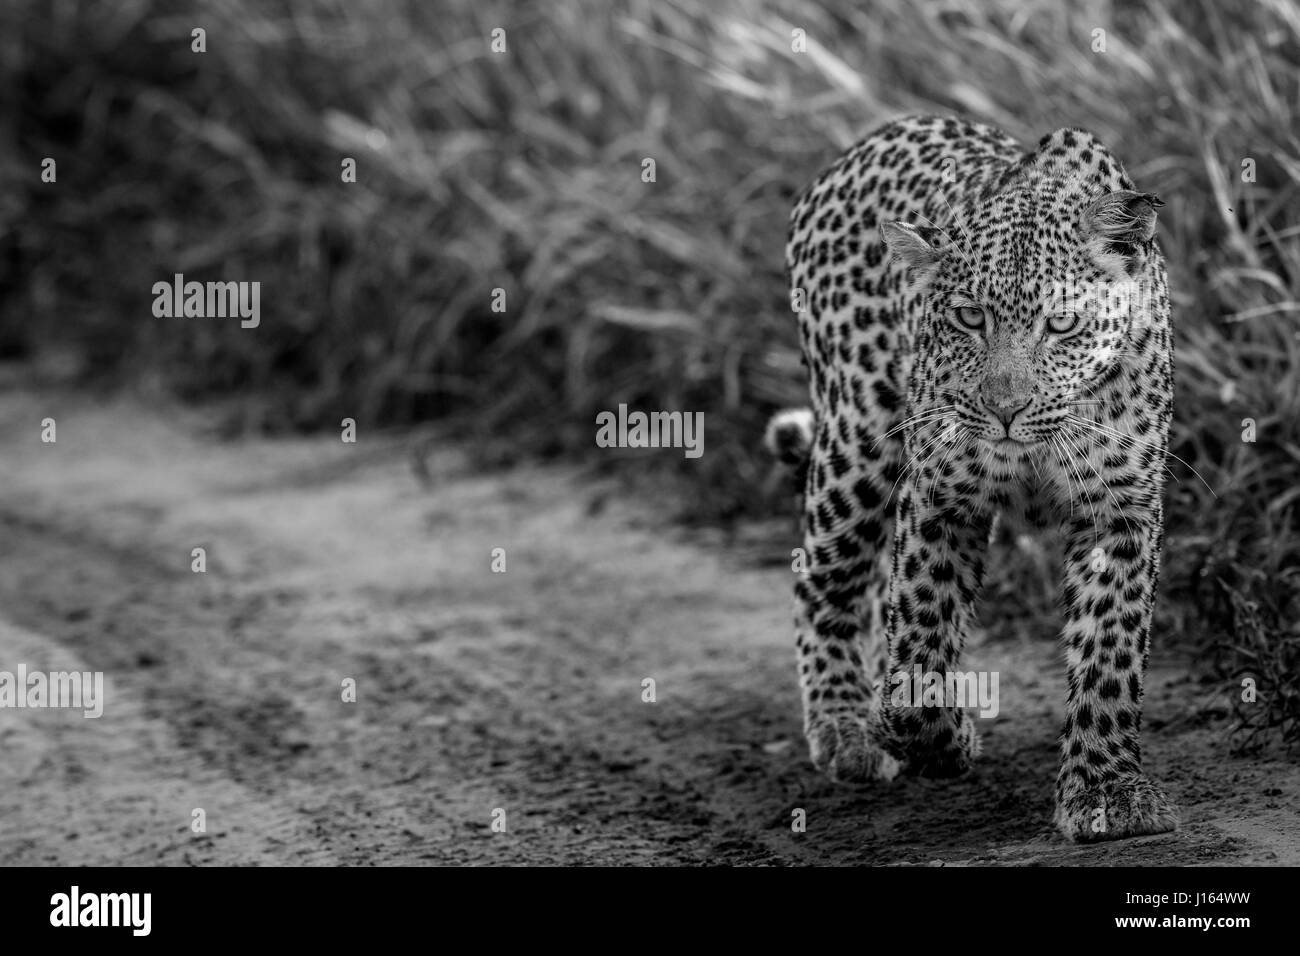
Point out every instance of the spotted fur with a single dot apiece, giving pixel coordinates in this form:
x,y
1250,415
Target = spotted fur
x,y
972,353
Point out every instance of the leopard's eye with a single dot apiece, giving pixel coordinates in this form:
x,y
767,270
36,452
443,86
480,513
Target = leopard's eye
x,y
970,317
1063,322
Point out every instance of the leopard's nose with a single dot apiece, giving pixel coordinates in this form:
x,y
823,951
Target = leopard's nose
x,y
1006,411
1007,392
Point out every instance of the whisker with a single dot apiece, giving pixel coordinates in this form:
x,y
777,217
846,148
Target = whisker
x,y
928,414
1070,446
1069,490
934,478
1128,441
906,468
1111,433
1107,488
1087,461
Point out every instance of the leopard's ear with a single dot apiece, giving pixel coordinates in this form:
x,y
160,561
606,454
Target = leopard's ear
x,y
1118,227
914,248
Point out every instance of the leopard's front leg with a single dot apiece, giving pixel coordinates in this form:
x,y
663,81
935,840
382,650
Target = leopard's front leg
x,y
938,564
1110,579
838,631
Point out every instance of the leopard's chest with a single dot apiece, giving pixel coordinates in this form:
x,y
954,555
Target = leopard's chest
x,y
1023,487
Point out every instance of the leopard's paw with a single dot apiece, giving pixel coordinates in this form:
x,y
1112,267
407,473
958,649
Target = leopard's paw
x,y
1127,807
928,748
844,746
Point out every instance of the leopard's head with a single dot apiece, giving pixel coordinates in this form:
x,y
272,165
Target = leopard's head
x,y
1033,295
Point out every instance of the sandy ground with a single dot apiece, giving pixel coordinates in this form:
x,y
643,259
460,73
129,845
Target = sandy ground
x,y
475,690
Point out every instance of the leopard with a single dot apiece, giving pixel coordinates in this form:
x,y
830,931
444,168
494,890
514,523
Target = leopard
x,y
986,332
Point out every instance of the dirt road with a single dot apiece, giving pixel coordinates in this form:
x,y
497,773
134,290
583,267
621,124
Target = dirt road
x,y
475,691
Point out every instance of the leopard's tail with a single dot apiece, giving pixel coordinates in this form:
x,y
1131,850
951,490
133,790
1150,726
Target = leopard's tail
x,y
789,438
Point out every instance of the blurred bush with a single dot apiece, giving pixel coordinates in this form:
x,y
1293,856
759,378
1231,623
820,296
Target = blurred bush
x,y
521,171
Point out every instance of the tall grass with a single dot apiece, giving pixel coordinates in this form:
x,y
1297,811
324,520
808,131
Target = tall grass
x,y
521,171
